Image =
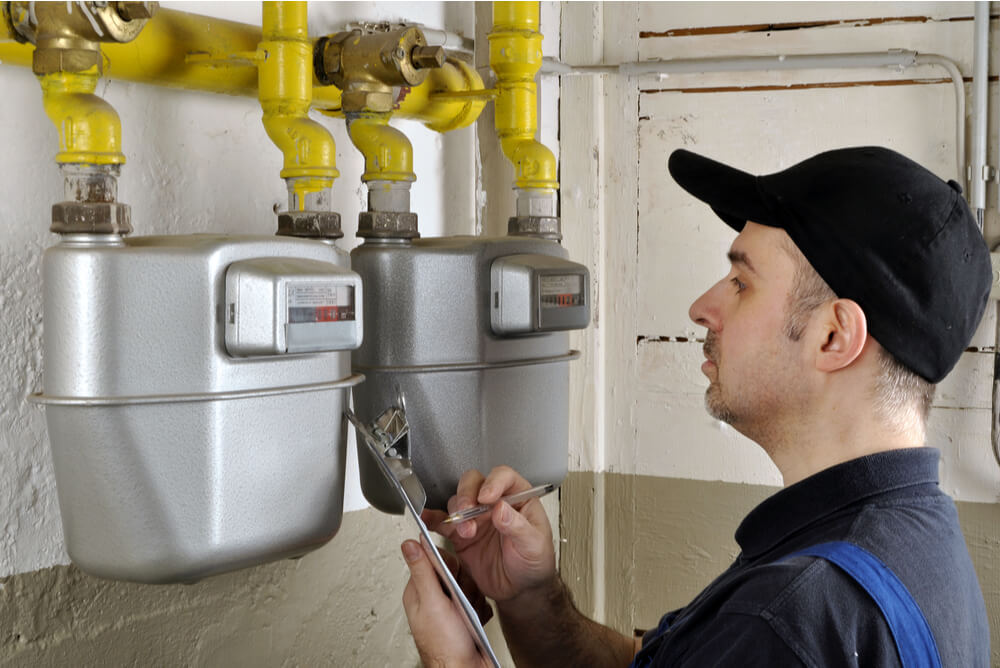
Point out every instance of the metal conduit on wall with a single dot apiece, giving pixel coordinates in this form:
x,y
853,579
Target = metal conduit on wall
x,y
974,176
893,58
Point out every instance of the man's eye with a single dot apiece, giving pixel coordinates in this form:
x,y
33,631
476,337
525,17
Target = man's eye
x,y
740,285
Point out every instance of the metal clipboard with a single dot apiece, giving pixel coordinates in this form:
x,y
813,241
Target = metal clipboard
x,y
399,473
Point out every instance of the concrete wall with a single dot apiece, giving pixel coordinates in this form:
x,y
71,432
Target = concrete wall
x,y
196,163
661,486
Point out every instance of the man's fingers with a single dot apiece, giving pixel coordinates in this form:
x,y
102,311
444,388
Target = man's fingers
x,y
502,481
468,491
423,577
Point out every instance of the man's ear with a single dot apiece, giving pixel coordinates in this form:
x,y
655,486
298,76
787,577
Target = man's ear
x,y
845,331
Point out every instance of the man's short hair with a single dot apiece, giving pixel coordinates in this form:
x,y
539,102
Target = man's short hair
x,y
899,393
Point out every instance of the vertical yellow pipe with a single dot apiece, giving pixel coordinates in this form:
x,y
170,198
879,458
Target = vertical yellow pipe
x,y
516,56
285,89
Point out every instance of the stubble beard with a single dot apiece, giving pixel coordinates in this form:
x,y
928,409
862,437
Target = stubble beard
x,y
715,404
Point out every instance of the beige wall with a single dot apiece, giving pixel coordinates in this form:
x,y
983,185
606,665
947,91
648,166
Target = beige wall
x,y
670,537
641,441
339,605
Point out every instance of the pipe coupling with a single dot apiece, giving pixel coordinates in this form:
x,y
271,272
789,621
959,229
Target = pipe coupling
x,y
91,192
387,225
309,214
540,227
388,215
537,214
310,224
91,218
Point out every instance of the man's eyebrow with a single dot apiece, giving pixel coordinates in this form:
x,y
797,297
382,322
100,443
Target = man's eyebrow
x,y
739,257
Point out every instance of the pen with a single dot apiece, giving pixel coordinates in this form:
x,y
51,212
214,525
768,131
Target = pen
x,y
520,497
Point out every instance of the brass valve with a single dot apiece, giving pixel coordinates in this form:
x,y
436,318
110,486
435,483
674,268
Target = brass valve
x,y
365,66
67,35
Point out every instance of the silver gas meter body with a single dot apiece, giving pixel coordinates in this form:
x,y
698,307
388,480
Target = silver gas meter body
x,y
193,389
473,336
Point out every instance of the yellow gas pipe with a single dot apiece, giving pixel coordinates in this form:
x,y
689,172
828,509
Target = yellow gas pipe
x,y
388,153
516,56
285,85
89,128
181,50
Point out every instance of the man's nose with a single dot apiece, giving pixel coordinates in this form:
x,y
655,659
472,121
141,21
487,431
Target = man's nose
x,y
705,310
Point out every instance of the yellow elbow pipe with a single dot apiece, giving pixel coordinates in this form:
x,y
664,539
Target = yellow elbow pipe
x,y
89,128
516,56
388,153
285,90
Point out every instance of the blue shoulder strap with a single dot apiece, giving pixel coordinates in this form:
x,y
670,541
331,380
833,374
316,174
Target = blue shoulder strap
x,y
907,624
909,627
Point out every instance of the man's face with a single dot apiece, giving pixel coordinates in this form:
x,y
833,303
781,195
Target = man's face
x,y
752,365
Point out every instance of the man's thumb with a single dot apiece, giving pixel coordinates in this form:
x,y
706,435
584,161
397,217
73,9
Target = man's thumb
x,y
525,537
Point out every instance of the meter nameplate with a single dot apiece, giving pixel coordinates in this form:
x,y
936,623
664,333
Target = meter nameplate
x,y
276,306
538,293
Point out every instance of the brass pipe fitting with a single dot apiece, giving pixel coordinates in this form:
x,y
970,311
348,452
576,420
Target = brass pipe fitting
x,y
365,66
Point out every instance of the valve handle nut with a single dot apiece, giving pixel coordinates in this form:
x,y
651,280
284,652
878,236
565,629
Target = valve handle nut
x,y
131,11
426,57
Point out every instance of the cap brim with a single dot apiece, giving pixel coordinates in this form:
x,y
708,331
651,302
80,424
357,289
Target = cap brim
x,y
733,194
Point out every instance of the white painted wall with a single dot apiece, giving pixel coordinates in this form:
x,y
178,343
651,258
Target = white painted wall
x,y
197,162
650,420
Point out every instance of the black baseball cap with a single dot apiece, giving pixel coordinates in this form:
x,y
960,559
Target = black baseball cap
x,y
881,230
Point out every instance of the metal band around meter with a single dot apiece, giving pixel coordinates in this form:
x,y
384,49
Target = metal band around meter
x,y
468,366
40,398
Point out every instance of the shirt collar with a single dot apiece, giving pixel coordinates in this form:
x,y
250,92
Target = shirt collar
x,y
831,489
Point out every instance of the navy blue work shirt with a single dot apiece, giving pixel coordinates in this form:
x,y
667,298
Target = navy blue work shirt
x,y
805,611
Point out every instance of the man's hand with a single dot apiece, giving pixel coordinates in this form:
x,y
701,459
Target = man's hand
x,y
438,628
506,552
509,555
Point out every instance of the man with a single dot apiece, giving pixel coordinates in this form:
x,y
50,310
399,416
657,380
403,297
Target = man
x,y
857,280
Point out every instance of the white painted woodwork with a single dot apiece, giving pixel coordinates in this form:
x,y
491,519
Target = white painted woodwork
x,y
650,391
